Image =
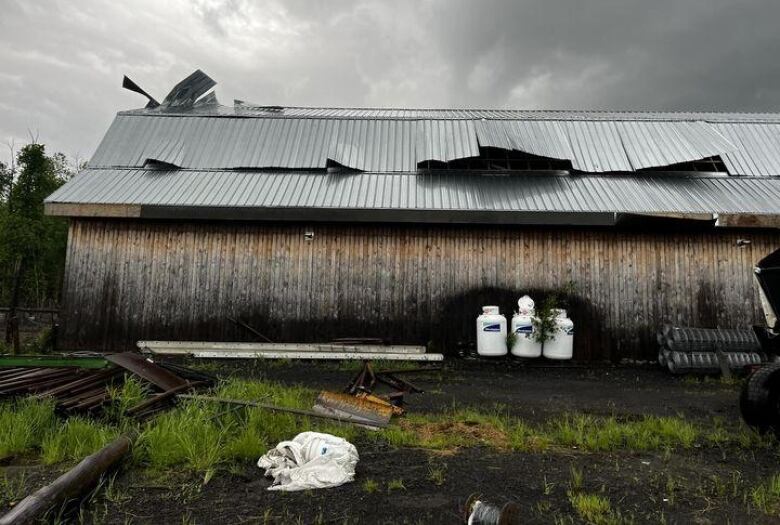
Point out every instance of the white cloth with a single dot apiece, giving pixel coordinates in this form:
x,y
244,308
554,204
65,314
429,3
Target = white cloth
x,y
310,461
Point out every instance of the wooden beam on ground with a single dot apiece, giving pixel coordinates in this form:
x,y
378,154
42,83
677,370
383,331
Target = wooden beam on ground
x,y
73,484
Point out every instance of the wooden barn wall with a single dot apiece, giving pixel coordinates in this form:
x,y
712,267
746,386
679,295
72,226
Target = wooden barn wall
x,y
130,280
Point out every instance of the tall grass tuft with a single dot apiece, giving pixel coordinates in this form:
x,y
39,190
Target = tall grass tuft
x,y
131,392
23,425
766,496
594,509
75,439
187,436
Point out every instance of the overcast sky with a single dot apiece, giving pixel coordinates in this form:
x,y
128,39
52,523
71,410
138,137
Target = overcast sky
x,y
61,62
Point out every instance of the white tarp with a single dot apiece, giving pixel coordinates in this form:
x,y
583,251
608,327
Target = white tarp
x,y
310,461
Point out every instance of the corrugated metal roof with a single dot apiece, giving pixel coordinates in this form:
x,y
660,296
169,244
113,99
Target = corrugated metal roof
x,y
758,148
201,142
462,191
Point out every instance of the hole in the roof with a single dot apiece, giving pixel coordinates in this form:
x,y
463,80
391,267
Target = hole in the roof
x,y
498,159
154,164
336,167
708,165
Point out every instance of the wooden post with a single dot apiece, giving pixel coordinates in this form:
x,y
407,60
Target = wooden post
x,y
70,485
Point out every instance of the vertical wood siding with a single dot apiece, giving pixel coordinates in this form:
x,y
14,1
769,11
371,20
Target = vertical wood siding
x,y
131,280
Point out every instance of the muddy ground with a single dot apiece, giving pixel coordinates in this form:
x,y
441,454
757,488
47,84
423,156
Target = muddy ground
x,y
705,484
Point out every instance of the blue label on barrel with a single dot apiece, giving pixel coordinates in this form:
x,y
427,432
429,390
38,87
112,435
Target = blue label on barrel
x,y
491,327
529,329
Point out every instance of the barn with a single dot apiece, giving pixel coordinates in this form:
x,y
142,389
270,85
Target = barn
x,y
316,223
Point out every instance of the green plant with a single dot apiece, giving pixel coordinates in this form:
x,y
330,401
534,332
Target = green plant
x,y
75,439
544,319
131,392
370,486
41,343
186,436
12,488
766,496
547,487
602,434
23,425
592,508
576,477
437,472
113,492
395,484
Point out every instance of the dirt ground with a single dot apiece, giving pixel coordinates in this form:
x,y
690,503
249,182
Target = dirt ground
x,y
705,484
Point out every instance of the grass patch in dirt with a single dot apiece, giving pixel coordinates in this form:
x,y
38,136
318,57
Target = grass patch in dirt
x,y
370,486
23,425
467,428
766,496
75,439
12,488
200,435
604,434
594,509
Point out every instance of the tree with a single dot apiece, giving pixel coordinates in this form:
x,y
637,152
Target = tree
x,y
32,245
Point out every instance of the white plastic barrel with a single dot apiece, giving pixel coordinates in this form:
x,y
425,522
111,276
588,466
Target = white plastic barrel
x,y
524,344
561,344
491,332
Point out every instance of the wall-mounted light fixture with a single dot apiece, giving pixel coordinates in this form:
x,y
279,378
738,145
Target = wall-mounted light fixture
x,y
743,242
308,235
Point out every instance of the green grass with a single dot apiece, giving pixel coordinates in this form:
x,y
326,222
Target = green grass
x,y
395,484
130,393
202,436
184,437
75,439
370,486
592,508
12,488
437,472
458,428
766,496
603,434
23,425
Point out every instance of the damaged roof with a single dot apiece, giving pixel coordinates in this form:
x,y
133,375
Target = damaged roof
x,y
268,157
213,137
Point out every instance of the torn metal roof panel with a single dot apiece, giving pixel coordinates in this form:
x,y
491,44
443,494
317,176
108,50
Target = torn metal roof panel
x,y
758,148
654,144
398,145
185,93
596,146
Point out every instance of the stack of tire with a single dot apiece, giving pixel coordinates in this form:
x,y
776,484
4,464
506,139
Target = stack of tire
x,y
685,350
759,402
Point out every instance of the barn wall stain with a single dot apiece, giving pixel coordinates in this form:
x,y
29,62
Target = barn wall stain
x,y
131,280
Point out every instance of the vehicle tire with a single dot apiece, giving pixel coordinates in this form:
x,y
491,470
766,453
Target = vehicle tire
x,y
758,401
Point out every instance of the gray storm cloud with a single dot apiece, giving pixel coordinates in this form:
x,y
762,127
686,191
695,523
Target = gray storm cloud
x,y
61,63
